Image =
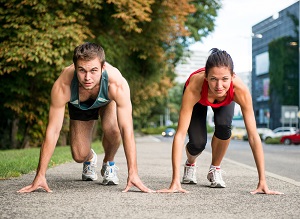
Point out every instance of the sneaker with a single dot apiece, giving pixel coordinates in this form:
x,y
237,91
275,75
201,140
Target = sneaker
x,y
109,173
189,175
89,169
215,177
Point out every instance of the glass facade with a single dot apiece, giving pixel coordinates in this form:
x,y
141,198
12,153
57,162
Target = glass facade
x,y
268,110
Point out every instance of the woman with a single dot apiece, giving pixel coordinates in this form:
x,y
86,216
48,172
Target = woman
x,y
217,86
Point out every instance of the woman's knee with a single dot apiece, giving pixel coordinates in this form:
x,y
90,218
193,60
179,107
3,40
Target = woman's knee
x,y
195,148
223,132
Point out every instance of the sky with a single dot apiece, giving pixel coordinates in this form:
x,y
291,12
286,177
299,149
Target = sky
x,y
233,28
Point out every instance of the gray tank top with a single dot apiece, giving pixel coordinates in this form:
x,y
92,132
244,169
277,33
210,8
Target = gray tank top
x,y
101,100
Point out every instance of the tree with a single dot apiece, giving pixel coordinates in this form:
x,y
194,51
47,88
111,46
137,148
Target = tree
x,y
148,53
143,38
36,37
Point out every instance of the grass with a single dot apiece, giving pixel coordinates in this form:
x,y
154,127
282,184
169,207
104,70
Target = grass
x,y
14,163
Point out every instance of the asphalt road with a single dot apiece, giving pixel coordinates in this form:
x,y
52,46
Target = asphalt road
x,y
283,160
73,198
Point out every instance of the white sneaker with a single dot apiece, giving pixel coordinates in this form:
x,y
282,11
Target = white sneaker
x,y
109,173
89,169
215,177
189,175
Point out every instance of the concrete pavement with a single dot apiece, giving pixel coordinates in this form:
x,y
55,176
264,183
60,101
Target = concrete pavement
x,y
73,198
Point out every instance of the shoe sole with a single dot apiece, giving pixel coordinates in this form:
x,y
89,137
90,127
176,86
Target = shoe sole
x,y
188,182
217,186
109,183
86,178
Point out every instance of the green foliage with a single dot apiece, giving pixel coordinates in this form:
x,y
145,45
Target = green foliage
x,y
36,37
273,141
284,67
144,39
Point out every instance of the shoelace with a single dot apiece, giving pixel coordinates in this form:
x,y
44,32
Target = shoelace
x,y
88,168
217,174
189,171
111,170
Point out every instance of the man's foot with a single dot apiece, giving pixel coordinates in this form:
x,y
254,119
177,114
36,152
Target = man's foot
x,y
109,173
89,169
189,175
215,177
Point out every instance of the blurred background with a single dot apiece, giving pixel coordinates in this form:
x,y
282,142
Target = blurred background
x,y
156,45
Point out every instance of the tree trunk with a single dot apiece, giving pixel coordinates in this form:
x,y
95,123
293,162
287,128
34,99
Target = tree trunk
x,y
14,132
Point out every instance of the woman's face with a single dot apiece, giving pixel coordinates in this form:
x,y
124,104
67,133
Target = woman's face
x,y
219,79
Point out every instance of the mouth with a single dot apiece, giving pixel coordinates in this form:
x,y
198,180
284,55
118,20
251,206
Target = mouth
x,y
87,84
219,91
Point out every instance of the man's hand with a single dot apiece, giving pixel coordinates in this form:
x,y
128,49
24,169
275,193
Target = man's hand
x,y
38,183
263,189
174,188
135,181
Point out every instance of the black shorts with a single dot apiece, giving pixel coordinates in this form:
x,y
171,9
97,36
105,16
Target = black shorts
x,y
83,115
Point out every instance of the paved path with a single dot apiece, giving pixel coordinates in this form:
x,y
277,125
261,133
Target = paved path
x,y
73,198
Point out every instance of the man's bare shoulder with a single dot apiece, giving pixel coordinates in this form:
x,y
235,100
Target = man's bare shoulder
x,y
67,73
114,75
61,88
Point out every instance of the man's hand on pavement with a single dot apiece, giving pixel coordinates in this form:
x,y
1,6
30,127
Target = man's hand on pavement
x,y
135,181
38,183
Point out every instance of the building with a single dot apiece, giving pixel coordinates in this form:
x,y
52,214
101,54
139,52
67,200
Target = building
x,y
272,28
191,61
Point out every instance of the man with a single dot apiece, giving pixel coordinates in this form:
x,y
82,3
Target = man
x,y
91,87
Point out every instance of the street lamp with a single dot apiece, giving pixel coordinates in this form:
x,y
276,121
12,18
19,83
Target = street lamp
x,y
256,35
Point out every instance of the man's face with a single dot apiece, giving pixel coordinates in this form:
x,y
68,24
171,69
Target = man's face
x,y
89,73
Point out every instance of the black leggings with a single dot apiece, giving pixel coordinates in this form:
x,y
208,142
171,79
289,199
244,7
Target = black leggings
x,y
198,132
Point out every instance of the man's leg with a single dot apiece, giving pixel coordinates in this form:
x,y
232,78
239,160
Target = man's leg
x,y
111,133
111,141
80,140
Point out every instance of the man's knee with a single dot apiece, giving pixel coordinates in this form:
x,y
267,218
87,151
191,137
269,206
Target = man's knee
x,y
223,132
112,133
79,157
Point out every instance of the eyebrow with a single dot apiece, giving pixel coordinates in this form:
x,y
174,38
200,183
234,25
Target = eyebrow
x,y
94,68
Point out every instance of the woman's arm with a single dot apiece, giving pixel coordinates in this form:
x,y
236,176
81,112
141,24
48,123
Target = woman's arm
x,y
244,99
190,97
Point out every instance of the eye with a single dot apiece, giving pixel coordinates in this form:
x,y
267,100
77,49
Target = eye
x,y
81,70
94,71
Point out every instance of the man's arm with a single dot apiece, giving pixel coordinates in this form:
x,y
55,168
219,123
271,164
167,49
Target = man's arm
x,y
59,95
119,92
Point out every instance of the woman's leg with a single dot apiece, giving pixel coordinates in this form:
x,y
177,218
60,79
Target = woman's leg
x,y
197,133
220,141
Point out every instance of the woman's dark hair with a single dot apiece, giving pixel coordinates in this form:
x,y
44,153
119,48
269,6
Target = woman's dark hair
x,y
89,51
218,58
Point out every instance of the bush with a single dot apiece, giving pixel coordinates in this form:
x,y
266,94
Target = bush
x,y
273,140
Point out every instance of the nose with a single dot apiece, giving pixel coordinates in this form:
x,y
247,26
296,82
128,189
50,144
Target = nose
x,y
219,84
87,76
